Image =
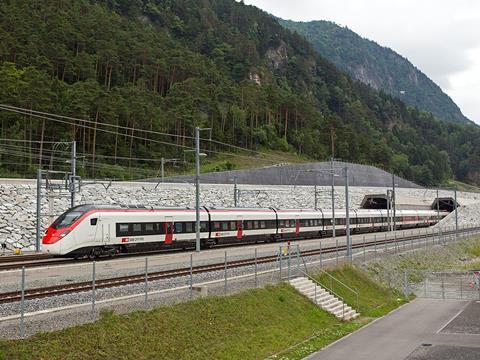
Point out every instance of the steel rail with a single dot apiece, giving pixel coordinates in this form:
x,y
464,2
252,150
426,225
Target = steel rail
x,y
55,290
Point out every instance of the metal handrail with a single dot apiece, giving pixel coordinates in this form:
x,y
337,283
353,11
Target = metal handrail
x,y
332,278
355,291
331,291
319,283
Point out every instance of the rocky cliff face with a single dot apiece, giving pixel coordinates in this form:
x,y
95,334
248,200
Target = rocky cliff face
x,y
379,67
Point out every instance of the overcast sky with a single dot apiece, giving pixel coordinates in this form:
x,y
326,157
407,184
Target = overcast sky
x,y
440,37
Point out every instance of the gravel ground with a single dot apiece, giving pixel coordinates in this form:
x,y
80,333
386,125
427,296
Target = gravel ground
x,y
79,315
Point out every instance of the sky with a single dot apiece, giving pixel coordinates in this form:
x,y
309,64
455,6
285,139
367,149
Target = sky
x,y
440,37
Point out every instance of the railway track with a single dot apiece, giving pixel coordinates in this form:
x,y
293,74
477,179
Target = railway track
x,y
49,291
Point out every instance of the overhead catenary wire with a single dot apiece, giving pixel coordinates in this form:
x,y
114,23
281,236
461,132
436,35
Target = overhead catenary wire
x,y
125,135
50,116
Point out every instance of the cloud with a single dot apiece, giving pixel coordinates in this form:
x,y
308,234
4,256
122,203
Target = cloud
x,y
438,37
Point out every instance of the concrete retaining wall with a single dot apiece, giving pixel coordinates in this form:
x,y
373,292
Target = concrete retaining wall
x,y
18,200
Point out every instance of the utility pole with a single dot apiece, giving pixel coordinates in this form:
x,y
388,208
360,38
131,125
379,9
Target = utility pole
x,y
235,191
162,168
197,189
438,208
347,213
74,174
38,224
394,200
164,161
333,194
456,215
388,210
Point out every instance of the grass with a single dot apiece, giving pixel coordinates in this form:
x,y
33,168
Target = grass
x,y
224,162
251,325
462,256
460,186
374,299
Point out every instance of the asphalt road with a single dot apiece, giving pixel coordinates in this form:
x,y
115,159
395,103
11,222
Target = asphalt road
x,y
420,330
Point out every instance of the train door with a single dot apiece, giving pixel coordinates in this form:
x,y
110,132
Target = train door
x,y
239,227
91,232
168,230
106,231
297,225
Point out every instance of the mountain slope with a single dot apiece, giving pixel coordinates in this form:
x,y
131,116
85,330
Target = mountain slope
x,y
379,67
135,69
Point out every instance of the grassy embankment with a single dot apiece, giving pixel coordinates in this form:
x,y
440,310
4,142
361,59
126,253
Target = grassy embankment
x,y
463,255
251,325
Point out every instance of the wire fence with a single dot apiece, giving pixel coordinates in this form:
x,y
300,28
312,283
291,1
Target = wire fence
x,y
229,275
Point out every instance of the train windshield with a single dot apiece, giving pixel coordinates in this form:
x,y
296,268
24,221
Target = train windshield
x,y
68,217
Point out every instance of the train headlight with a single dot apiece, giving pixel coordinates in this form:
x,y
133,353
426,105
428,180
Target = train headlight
x,y
65,233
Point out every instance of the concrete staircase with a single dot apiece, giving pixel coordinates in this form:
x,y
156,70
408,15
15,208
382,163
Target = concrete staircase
x,y
324,299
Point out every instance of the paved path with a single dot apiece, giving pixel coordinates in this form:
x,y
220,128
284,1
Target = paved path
x,y
400,333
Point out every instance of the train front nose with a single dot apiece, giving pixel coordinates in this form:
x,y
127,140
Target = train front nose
x,y
51,243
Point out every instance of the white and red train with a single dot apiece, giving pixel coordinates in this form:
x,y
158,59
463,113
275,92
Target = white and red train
x,y
95,230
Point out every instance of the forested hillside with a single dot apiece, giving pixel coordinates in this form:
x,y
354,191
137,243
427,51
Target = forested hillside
x,y
378,66
137,68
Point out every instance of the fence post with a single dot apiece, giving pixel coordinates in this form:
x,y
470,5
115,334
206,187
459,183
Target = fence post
x,y
320,254
443,286
280,248
298,260
289,262
22,306
256,279
225,272
395,241
364,254
191,276
405,282
93,290
461,287
146,281
425,285
336,252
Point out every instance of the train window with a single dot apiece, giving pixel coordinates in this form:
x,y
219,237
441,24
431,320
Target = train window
x,y
224,225
255,224
122,230
248,224
178,227
216,225
137,229
93,221
263,225
233,225
203,226
149,229
189,227
66,219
